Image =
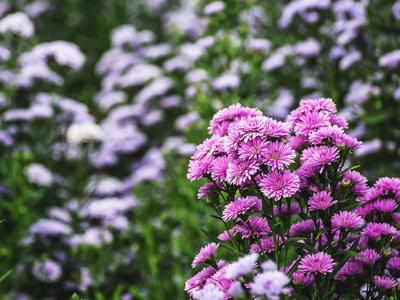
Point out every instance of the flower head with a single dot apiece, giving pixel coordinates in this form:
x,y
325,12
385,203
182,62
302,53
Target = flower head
x,y
240,206
384,282
317,263
278,155
241,267
371,257
270,284
209,292
277,185
346,220
205,254
349,269
321,201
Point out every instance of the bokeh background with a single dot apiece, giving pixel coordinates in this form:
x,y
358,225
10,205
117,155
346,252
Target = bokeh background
x,y
103,102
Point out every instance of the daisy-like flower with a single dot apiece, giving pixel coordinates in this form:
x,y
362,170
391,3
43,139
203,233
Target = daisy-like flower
x,y
384,282
219,168
208,148
346,220
304,280
300,228
278,155
386,205
209,292
365,209
267,244
239,171
225,236
316,263
251,128
321,201
239,207
270,284
371,257
310,122
243,266
375,231
199,168
277,185
230,115
258,224
254,149
199,280
205,254
325,134
394,264
323,155
209,189
389,187
358,182
348,270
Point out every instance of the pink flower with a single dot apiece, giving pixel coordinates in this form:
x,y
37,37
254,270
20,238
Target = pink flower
x,y
371,257
293,209
278,155
258,224
384,282
239,207
346,220
267,244
240,171
316,263
386,205
277,185
310,122
323,155
349,269
254,149
375,231
205,254
300,228
321,201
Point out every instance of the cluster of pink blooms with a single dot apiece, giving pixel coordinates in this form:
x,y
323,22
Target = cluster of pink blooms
x,y
285,192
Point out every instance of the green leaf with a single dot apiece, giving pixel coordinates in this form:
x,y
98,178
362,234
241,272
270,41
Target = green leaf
x,y
5,275
348,252
307,247
75,297
293,268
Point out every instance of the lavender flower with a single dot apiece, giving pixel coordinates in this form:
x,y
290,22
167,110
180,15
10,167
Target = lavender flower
x,y
214,7
209,292
48,271
17,23
38,174
225,82
243,266
270,284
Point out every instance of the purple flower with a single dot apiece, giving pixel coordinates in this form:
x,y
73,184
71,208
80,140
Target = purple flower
x,y
197,282
310,122
199,168
205,254
38,174
346,220
214,7
316,263
277,185
349,269
330,133
371,257
225,236
255,149
302,227
240,171
267,244
209,292
390,60
46,227
48,271
258,224
292,209
308,48
394,264
278,155
321,201
386,205
301,278
396,10
384,282
207,190
239,207
17,23
322,155
225,82
270,284
243,266
358,182
375,231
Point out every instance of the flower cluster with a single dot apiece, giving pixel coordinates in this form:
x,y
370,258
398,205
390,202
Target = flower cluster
x,y
320,223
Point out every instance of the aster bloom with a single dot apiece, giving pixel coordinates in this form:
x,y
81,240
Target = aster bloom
x,y
220,281
39,174
300,228
229,116
323,155
386,205
267,244
346,220
371,257
316,263
303,279
358,182
320,201
239,207
325,135
225,236
277,185
310,122
47,271
209,189
240,171
389,187
243,266
219,168
199,280
384,282
205,254
258,224
393,264
348,270
375,231
270,284
199,168
209,292
255,149
278,155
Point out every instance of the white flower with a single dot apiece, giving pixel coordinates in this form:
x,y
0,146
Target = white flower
x,y
17,23
83,132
